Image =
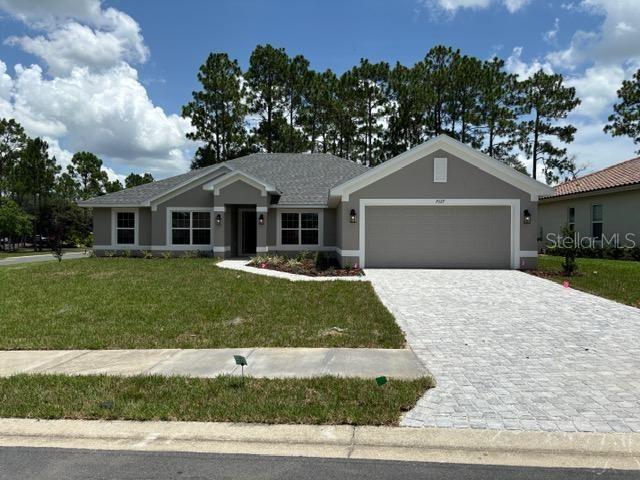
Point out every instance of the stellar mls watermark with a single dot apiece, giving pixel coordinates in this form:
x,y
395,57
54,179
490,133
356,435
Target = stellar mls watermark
x,y
616,240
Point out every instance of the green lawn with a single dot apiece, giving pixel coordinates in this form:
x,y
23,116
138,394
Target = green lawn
x,y
326,400
24,252
110,303
618,280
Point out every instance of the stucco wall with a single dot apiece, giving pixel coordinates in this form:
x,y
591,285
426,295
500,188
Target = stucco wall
x,y
416,181
102,226
620,211
194,197
239,193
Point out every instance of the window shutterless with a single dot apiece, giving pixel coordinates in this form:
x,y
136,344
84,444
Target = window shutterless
x,y
299,228
596,221
190,228
126,228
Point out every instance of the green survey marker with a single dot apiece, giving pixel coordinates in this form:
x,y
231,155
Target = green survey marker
x,y
381,380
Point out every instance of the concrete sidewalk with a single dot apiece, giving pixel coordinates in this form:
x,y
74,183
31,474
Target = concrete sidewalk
x,y
262,362
540,449
41,258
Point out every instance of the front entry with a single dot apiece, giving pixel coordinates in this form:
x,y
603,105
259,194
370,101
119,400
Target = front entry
x,y
247,224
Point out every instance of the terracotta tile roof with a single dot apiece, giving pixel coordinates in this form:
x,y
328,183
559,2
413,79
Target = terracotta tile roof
x,y
618,175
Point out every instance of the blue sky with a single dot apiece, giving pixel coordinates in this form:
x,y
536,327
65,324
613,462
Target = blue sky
x,y
111,76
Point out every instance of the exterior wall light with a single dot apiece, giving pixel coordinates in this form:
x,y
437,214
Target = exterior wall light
x,y
527,217
261,219
352,216
218,219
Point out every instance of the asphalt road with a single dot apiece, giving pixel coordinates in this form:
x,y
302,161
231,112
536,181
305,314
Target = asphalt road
x,y
41,258
58,464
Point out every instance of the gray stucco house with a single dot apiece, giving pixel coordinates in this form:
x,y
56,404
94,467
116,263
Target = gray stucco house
x,y
600,207
441,204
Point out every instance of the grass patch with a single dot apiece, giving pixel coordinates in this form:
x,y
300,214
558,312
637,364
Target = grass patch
x,y
111,303
617,280
325,400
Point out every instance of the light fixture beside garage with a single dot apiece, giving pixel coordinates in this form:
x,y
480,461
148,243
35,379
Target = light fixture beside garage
x,y
218,219
261,219
527,217
352,216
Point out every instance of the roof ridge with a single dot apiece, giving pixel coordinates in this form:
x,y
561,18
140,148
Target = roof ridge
x,y
610,167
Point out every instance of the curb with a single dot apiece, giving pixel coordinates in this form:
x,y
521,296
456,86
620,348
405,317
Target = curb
x,y
533,449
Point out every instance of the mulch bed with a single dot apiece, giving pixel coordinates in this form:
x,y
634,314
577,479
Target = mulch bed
x,y
308,268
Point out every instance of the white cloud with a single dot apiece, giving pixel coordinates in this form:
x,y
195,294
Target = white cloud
x,y
551,36
597,150
93,99
616,41
105,37
515,5
515,64
451,6
597,88
75,45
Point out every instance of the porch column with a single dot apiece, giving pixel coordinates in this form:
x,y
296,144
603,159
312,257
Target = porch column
x,y
261,234
220,248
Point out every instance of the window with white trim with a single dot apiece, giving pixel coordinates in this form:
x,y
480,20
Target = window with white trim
x,y
190,227
571,219
125,228
440,170
596,221
300,228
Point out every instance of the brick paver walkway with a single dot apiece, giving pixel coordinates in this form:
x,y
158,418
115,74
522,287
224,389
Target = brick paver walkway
x,y
516,352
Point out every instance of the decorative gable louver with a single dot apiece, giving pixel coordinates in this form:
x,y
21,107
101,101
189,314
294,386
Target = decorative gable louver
x,y
440,170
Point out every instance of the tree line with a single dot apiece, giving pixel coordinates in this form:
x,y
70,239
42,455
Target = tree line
x,y
38,199
375,111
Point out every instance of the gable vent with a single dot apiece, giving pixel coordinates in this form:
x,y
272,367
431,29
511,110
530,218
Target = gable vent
x,y
440,170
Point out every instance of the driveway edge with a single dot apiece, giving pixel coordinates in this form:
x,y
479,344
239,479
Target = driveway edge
x,y
537,449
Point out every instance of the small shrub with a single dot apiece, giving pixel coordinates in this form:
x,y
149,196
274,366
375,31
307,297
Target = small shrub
x,y
147,254
304,255
635,253
615,253
109,253
126,253
569,252
167,255
190,254
321,261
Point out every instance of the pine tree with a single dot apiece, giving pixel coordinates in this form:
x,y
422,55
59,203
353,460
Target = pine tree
x,y
266,80
625,121
35,175
134,179
434,91
297,76
405,114
544,100
86,170
369,92
497,103
217,112
12,142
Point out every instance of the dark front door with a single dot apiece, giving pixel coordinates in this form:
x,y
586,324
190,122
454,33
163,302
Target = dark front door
x,y
248,232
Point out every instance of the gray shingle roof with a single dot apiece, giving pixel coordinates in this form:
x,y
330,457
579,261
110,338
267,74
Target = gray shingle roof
x,y
300,178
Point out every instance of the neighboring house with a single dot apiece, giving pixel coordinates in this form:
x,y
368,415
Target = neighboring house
x,y
599,207
440,204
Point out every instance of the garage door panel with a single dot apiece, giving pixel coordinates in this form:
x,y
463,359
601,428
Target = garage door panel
x,y
438,237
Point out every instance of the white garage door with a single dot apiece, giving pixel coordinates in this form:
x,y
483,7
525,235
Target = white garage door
x,y
438,237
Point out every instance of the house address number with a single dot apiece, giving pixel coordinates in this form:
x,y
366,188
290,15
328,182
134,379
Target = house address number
x,y
440,201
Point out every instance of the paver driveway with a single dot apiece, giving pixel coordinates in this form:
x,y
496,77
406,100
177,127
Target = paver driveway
x,y
513,351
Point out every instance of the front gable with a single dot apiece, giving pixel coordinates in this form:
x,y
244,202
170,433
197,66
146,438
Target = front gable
x,y
464,167
439,175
